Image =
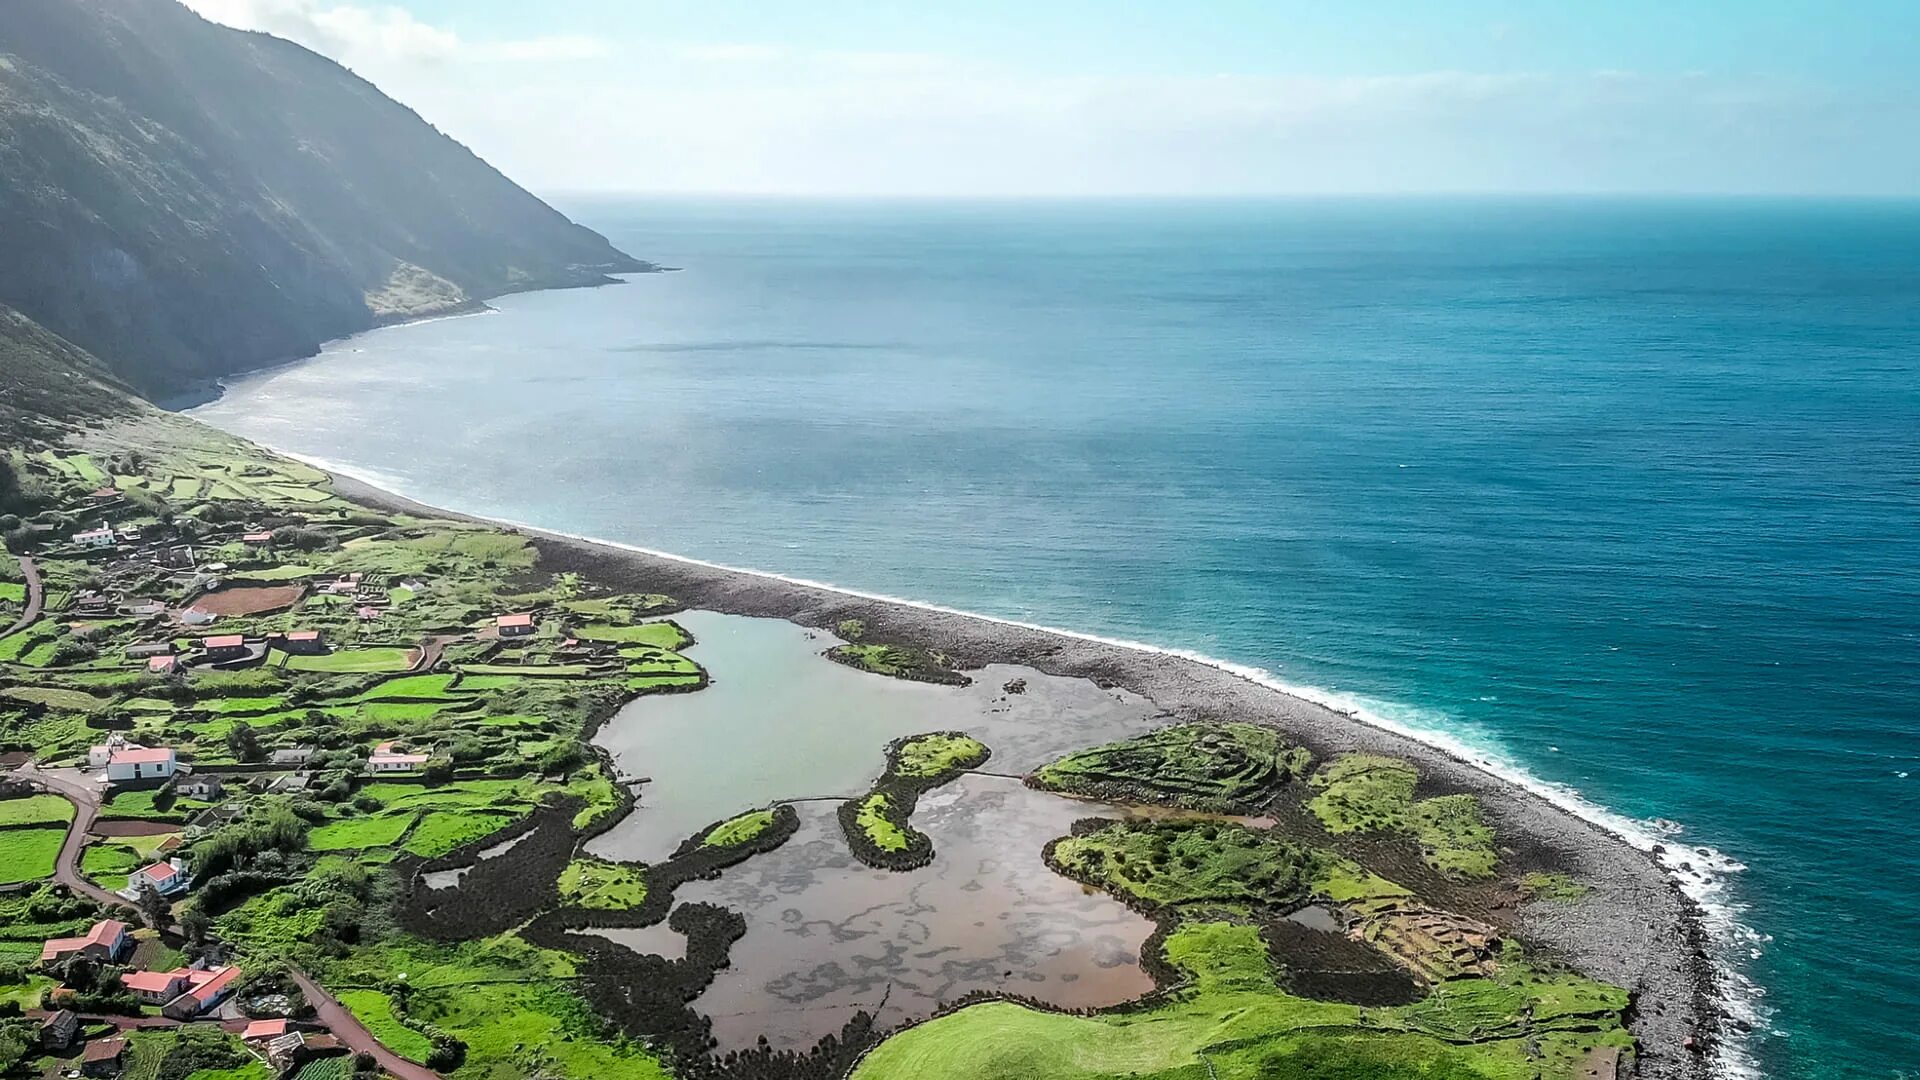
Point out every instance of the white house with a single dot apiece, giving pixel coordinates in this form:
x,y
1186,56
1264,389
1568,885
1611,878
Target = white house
x,y
125,761
168,878
95,538
384,759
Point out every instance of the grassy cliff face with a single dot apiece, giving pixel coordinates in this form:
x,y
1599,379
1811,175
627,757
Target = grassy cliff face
x,y
47,384
185,200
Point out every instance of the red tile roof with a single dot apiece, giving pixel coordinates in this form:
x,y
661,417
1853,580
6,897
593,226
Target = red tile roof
x,y
304,635
150,982
514,620
140,755
264,1029
161,664
157,873
212,983
103,1050
224,641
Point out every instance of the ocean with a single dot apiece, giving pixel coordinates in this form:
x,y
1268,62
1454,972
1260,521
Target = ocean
x,y
1622,496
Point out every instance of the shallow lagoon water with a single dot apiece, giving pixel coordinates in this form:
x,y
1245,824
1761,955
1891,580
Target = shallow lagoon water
x,y
828,936
782,722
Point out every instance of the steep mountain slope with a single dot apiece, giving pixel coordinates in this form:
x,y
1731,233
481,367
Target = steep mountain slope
x,y
47,385
185,200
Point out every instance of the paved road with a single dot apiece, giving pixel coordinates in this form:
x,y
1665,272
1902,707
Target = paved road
x,y
353,1034
86,806
36,596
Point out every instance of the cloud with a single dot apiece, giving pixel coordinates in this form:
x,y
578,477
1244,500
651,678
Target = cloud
x,y
360,33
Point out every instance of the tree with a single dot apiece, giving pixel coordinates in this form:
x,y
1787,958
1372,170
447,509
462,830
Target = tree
x,y
154,908
243,744
195,924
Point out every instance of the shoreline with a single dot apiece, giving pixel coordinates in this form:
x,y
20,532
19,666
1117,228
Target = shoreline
x,y
1644,926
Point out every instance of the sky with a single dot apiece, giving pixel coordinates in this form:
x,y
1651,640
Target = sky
x,y
1078,98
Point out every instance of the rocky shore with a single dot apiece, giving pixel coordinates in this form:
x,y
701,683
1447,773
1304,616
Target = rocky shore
x,y
1636,929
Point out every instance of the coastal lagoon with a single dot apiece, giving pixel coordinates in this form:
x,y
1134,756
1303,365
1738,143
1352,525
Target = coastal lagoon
x,y
1620,492
781,722
828,936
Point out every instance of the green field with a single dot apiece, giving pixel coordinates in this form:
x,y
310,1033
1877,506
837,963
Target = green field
x,y
938,754
411,687
13,592
108,864
472,672
441,832
872,819
54,697
739,830
28,854
347,661
356,833
35,810
662,635
1369,793
590,883
375,1010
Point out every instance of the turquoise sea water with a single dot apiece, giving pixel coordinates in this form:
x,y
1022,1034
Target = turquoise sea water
x,y
1624,493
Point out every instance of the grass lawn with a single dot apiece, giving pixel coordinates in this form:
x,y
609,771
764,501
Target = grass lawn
x,y
531,671
357,833
664,635
54,697
872,819
36,810
590,883
375,1010
225,705
138,805
442,831
348,661
1369,793
938,754
28,854
108,864
411,687
26,993
739,830
13,592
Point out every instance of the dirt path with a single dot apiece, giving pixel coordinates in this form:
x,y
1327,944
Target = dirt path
x,y
352,1033
36,596
430,652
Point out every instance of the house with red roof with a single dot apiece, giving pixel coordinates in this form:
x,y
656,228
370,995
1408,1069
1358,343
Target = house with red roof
x,y
107,940
512,626
162,665
263,1030
125,761
168,878
205,991
257,539
386,759
224,647
301,643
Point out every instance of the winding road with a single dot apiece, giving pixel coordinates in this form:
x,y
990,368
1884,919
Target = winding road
x,y
86,806
352,1033
36,596
337,1017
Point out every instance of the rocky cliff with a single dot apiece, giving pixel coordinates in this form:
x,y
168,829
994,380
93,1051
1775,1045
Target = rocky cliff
x,y
183,200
